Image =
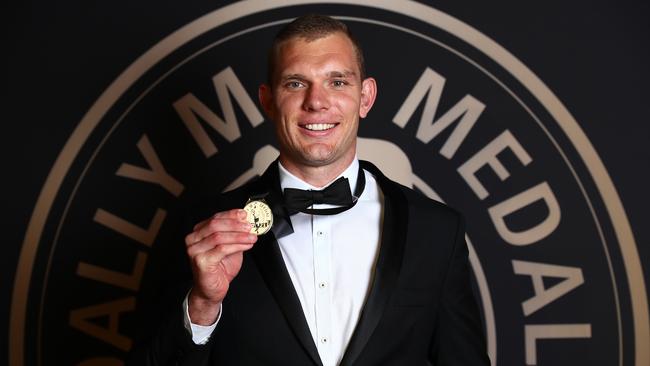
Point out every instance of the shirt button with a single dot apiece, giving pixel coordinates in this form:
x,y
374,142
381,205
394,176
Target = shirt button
x,y
319,233
322,285
324,340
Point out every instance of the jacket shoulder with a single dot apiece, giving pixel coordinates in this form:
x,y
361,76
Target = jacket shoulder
x,y
419,201
414,200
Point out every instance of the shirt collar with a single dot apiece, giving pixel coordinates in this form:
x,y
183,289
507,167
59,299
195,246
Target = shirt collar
x,y
288,180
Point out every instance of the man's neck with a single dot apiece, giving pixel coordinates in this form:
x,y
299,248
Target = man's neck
x,y
317,176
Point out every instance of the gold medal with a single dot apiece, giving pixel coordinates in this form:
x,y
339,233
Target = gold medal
x,y
259,215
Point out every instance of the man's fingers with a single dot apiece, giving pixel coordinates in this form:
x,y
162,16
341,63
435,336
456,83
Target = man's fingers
x,y
208,260
222,238
216,225
235,214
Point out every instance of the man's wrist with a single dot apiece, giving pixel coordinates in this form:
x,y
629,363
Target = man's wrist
x,y
200,334
202,311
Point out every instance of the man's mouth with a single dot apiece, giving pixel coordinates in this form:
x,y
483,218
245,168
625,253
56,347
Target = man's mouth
x,y
319,126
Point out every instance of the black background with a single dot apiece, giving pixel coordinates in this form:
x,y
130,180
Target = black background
x,y
593,55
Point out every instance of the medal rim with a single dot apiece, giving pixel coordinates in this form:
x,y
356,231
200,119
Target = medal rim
x,y
262,202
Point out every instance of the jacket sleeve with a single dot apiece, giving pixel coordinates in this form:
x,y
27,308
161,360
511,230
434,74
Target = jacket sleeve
x,y
161,337
458,337
171,345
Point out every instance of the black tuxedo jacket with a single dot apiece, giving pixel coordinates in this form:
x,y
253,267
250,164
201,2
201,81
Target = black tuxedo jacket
x,y
420,309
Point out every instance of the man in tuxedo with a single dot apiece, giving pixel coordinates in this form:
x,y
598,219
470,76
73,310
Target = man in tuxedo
x,y
356,270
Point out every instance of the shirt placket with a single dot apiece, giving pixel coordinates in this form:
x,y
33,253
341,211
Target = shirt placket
x,y
321,235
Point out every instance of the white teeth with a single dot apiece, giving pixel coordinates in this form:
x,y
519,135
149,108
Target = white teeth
x,y
319,126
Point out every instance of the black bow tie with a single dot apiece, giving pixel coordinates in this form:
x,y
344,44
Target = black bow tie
x,y
338,193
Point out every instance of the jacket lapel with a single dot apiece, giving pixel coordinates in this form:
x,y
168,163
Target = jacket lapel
x,y
388,264
271,265
268,258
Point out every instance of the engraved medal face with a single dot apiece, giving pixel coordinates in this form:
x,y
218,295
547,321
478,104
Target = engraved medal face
x,y
260,216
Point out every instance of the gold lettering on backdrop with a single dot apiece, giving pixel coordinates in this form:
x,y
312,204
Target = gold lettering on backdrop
x,y
128,281
190,108
536,233
155,174
572,278
466,111
488,156
118,224
80,319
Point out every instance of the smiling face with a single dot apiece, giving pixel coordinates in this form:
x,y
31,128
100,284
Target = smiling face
x,y
316,100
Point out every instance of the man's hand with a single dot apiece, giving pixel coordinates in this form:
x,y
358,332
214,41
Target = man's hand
x,y
215,248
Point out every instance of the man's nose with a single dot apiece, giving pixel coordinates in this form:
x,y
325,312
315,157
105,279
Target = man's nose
x,y
316,98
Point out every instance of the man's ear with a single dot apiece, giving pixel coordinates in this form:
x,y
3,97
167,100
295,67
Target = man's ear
x,y
265,95
368,95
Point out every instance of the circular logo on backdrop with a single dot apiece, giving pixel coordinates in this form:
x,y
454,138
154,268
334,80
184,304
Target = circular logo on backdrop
x,y
458,118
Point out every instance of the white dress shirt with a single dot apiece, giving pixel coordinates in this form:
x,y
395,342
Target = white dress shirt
x,y
330,259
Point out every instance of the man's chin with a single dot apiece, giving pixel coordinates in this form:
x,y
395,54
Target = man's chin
x,y
317,161
317,155
326,159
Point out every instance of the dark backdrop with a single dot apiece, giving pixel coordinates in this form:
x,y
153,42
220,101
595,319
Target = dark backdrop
x,y
59,57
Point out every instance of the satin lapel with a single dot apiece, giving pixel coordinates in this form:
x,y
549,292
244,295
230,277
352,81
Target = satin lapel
x,y
388,265
268,258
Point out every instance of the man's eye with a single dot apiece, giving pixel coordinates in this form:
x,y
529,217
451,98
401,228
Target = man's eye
x,y
339,83
293,84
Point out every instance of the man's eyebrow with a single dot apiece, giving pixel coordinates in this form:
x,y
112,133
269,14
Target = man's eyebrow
x,y
341,74
293,76
331,74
